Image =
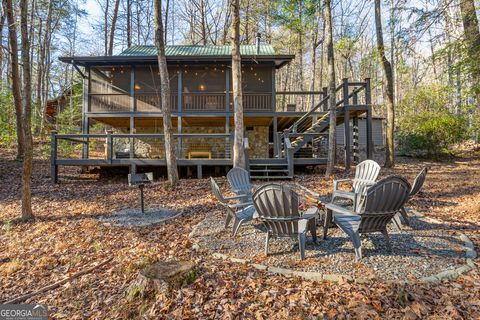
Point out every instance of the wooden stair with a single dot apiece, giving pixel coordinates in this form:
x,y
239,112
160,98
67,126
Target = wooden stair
x,y
269,169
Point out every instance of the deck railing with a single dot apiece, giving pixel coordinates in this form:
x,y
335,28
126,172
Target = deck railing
x,y
190,102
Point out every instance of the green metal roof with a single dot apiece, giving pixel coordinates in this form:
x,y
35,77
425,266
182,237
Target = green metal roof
x,y
198,50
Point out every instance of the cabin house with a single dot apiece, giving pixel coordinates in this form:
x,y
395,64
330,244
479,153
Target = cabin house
x,y
283,129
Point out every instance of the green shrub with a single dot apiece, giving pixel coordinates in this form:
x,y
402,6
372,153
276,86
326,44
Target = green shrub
x,y
430,134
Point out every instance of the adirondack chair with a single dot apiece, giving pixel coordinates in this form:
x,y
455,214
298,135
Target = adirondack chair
x,y
277,207
417,185
366,174
238,212
239,180
382,202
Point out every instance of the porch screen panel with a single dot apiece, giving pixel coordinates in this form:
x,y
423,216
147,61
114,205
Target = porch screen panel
x,y
204,88
257,88
110,89
147,88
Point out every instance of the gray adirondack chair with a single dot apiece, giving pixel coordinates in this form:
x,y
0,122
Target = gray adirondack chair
x,y
239,180
382,202
277,207
366,174
239,212
417,185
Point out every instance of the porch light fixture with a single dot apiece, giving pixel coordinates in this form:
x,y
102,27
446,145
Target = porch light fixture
x,y
201,87
137,86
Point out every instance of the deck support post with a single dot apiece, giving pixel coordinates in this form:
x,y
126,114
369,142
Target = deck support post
x,y
132,109
132,139
199,172
179,109
133,169
368,102
228,144
355,140
324,94
355,136
53,157
110,147
85,109
346,123
275,137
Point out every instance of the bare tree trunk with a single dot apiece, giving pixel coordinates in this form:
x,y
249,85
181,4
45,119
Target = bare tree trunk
x,y
238,147
2,24
203,22
332,143
388,87
26,115
129,23
105,25
472,39
165,96
112,27
15,75
45,62
165,30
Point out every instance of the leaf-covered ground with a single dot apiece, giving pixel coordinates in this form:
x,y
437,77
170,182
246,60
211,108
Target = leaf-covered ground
x,y
66,237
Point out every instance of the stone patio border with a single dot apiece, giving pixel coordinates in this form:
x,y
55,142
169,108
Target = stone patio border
x,y
449,274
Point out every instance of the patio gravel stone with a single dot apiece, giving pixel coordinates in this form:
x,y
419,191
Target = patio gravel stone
x,y
422,252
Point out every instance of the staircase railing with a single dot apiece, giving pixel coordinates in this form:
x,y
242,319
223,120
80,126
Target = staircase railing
x,y
359,86
289,154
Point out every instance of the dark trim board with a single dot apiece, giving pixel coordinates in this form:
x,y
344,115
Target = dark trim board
x,y
199,163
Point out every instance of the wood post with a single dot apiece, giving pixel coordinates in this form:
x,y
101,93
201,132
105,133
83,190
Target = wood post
x,y
53,157
368,102
355,140
85,109
275,137
324,94
179,112
199,172
274,98
346,123
110,146
355,135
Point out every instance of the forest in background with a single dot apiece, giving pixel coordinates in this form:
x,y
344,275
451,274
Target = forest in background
x,y
432,46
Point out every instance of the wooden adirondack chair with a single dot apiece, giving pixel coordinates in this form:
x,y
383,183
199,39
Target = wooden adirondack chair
x,y
382,202
277,207
239,212
366,174
417,185
239,180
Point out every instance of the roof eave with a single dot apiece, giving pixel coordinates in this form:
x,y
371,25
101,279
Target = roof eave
x,y
278,60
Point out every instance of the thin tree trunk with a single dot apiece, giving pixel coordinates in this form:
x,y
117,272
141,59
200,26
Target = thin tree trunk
x,y
2,24
105,25
165,96
15,75
129,23
203,22
387,70
112,27
472,40
332,143
165,30
45,61
238,147
26,115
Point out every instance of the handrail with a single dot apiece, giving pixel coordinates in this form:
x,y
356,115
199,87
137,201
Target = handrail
x,y
306,115
294,126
